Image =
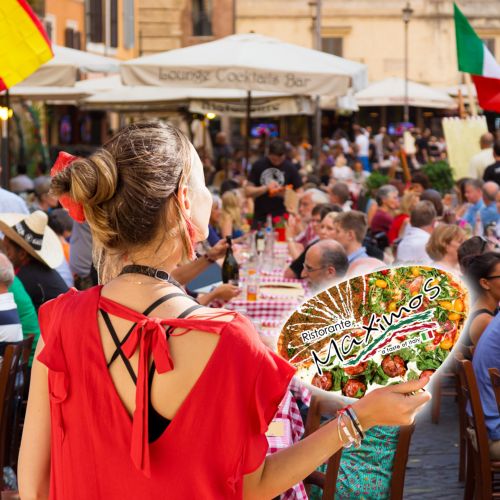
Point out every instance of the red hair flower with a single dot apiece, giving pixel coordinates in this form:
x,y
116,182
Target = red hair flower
x,y
64,160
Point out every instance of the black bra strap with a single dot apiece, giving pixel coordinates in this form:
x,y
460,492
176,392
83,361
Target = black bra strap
x,y
150,309
119,351
189,310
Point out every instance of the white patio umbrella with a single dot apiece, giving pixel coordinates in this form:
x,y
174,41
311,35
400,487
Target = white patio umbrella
x,y
249,62
391,92
61,70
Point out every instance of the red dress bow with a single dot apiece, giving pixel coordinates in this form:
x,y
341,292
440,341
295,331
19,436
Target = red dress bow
x,y
64,160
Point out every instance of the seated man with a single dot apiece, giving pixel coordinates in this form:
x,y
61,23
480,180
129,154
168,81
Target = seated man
x,y
325,263
412,246
10,325
301,227
35,251
487,355
350,230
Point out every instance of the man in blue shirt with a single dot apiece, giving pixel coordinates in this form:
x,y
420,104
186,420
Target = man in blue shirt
x,y
474,195
350,231
487,355
489,213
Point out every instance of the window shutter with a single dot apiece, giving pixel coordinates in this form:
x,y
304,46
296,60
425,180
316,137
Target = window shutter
x,y
114,23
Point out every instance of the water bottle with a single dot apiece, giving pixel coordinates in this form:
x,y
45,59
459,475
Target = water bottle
x,y
252,286
478,226
268,250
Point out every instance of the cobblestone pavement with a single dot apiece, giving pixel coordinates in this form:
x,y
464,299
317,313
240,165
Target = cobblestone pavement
x,y
432,471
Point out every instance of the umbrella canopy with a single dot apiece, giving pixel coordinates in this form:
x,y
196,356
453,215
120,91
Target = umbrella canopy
x,y
249,62
48,93
199,100
61,71
391,92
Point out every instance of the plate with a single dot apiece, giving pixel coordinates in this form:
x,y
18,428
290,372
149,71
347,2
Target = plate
x,y
385,327
281,289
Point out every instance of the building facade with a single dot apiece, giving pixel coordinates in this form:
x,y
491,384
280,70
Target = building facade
x,y
171,24
372,32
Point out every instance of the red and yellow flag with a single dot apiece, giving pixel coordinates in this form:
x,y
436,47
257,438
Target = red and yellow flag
x,y
24,45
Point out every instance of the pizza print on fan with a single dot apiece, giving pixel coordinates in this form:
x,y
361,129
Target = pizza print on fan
x,y
382,328
272,174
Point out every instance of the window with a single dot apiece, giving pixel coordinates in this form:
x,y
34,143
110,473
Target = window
x,y
95,15
113,23
333,45
72,36
490,45
128,24
202,17
49,23
38,6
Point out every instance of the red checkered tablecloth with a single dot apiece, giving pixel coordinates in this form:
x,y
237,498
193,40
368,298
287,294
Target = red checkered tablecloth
x,y
264,309
289,417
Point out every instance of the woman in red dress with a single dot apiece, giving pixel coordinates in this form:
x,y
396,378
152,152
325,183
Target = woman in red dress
x,y
137,391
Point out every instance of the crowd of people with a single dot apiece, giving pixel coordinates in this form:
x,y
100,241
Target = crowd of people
x,y
151,210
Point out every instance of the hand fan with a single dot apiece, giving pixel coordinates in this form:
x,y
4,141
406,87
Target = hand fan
x,y
381,328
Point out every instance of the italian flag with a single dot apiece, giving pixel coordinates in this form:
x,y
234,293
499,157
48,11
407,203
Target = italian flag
x,y
475,58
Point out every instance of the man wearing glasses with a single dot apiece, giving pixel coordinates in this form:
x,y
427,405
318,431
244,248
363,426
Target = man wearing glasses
x,y
325,263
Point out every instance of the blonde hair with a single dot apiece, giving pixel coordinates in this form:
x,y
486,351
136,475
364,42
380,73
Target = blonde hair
x,y
441,237
409,202
231,207
128,190
331,215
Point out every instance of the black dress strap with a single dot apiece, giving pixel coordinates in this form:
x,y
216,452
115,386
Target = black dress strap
x,y
149,310
475,314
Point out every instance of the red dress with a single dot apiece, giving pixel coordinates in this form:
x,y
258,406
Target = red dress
x,y
216,436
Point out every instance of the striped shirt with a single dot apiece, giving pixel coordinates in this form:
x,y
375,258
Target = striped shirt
x,y
10,324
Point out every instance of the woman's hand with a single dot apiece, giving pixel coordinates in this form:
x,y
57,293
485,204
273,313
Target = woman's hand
x,y
218,250
392,405
225,292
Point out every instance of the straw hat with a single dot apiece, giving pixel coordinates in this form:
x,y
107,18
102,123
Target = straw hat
x,y
32,233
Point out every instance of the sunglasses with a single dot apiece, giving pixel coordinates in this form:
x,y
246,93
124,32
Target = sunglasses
x,y
492,277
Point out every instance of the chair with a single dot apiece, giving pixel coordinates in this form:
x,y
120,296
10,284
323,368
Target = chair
x,y
327,481
20,396
8,374
495,383
481,475
437,389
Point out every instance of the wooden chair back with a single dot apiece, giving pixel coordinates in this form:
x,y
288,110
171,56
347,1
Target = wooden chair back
x,y
8,373
477,435
320,408
18,406
495,383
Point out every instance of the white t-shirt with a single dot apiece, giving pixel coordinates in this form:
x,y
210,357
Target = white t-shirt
x,y
363,144
10,325
479,162
412,246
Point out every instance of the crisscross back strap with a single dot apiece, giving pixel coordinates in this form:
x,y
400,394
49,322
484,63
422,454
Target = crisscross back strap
x,y
149,310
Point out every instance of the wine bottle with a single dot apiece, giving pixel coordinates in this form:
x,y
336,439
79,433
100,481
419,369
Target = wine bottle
x,y
230,267
260,240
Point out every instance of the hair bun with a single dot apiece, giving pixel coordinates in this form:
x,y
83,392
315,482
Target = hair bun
x,y
94,180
